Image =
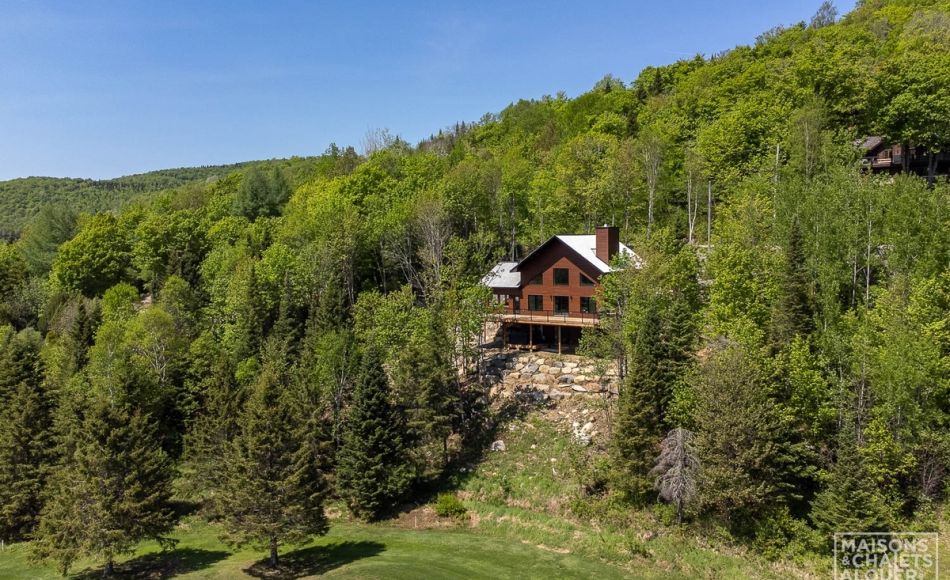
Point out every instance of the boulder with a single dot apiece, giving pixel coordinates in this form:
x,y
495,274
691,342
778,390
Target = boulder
x,y
530,369
544,369
566,379
543,378
579,378
498,445
578,389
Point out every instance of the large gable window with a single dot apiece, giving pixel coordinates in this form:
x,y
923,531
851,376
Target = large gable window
x,y
561,277
585,281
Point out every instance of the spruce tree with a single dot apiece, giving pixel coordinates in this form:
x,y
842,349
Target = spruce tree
x,y
427,390
373,471
850,500
112,492
82,332
273,489
749,457
640,413
209,438
26,452
792,313
19,359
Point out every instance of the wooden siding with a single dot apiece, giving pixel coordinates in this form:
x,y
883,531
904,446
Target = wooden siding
x,y
555,255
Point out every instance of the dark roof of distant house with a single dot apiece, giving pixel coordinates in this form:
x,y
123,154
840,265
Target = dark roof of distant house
x,y
870,143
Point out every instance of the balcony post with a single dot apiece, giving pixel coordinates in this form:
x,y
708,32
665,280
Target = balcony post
x,y
559,340
530,337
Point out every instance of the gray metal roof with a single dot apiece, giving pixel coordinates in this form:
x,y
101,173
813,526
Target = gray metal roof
x,y
501,276
586,246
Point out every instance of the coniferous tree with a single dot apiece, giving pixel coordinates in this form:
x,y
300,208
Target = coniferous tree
x,y
427,391
82,333
110,493
211,434
273,488
851,500
19,359
640,412
26,453
373,470
792,311
677,470
262,194
742,439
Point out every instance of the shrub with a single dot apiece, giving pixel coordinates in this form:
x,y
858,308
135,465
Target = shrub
x,y
449,505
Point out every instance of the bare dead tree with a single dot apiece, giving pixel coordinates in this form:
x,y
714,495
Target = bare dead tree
x,y
651,151
677,470
692,197
434,232
419,247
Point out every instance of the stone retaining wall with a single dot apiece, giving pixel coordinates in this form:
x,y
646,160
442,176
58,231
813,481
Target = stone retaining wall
x,y
547,376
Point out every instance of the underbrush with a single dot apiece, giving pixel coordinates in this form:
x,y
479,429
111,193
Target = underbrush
x,y
547,490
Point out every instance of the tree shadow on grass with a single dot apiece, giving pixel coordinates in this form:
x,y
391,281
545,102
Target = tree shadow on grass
x,y
315,560
159,565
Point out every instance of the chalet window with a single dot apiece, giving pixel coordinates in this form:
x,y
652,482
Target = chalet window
x,y
535,302
539,279
588,305
561,277
561,304
585,281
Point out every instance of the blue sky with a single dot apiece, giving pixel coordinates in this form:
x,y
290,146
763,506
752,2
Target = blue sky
x,y
101,89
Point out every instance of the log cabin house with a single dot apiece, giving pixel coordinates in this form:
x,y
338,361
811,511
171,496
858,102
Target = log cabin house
x,y
549,296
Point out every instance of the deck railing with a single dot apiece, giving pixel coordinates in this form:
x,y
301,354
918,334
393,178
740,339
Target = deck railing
x,y
553,317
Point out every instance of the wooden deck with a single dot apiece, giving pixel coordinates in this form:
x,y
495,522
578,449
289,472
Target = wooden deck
x,y
549,318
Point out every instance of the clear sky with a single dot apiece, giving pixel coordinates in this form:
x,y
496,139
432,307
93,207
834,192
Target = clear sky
x,y
107,88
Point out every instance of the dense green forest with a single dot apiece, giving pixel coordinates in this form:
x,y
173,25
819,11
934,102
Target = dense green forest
x,y
299,332
21,199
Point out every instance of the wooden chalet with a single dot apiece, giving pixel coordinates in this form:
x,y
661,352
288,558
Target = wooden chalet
x,y
550,295
879,156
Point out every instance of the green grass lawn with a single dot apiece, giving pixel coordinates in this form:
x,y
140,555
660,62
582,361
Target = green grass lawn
x,y
348,551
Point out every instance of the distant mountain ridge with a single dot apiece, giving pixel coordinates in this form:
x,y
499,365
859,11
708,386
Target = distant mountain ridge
x,y
21,198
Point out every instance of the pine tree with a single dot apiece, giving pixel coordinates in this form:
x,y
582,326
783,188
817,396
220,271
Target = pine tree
x,y
792,312
850,500
112,492
261,194
373,471
273,489
749,458
19,359
82,333
427,390
26,452
211,434
640,413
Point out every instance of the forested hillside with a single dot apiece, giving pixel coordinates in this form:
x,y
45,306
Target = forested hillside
x,y
21,199
276,339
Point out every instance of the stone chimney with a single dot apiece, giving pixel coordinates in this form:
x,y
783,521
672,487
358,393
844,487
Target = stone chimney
x,y
608,242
